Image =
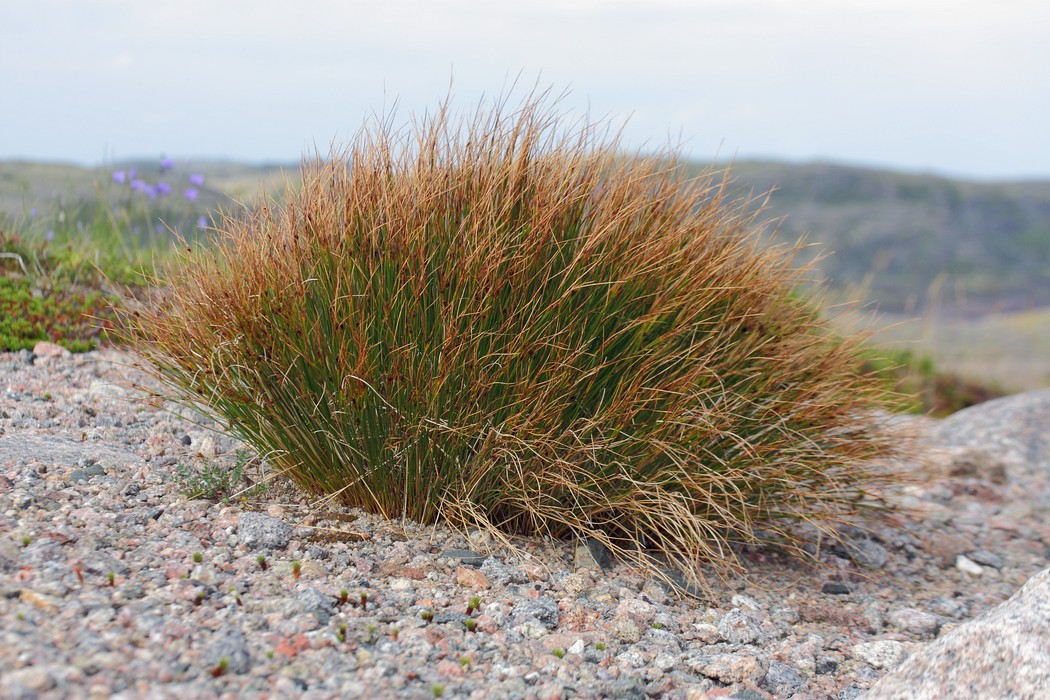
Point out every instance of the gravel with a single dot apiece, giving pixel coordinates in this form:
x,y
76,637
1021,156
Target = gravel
x,y
114,584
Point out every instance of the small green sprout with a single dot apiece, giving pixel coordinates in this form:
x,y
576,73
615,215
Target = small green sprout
x,y
344,596
198,557
560,653
473,604
111,577
224,663
600,646
471,624
464,661
438,690
364,600
657,626
341,634
262,562
199,598
26,540
296,569
427,615
395,632
372,629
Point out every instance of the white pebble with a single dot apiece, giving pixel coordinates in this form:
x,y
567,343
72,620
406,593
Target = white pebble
x,y
964,563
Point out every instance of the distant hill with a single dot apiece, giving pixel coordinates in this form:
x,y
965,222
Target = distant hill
x,y
892,236
886,236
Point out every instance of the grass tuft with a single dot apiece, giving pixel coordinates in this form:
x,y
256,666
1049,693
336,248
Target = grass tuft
x,y
506,324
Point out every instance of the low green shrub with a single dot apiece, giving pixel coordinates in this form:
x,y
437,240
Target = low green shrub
x,y
509,325
215,481
58,265
924,388
71,317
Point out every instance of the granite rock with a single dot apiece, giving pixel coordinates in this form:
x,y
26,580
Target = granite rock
x,y
261,531
1003,653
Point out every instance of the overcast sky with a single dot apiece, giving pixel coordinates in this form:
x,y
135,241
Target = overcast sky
x,y
958,87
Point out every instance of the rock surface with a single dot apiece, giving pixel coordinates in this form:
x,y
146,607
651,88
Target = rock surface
x,y
1004,653
1012,427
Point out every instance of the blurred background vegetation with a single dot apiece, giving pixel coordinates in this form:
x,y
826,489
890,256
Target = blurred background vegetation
x,y
952,276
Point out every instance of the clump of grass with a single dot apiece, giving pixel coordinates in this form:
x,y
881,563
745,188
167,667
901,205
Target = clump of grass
x,y
510,325
560,653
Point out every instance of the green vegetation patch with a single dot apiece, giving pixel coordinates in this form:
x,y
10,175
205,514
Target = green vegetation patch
x,y
74,319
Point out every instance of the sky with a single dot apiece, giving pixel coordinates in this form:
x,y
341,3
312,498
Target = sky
x,y
959,88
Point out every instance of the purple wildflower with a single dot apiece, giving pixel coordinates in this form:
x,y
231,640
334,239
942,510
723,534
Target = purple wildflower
x,y
120,177
202,222
32,213
190,193
132,172
158,228
150,191
138,185
196,179
50,236
163,188
166,164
